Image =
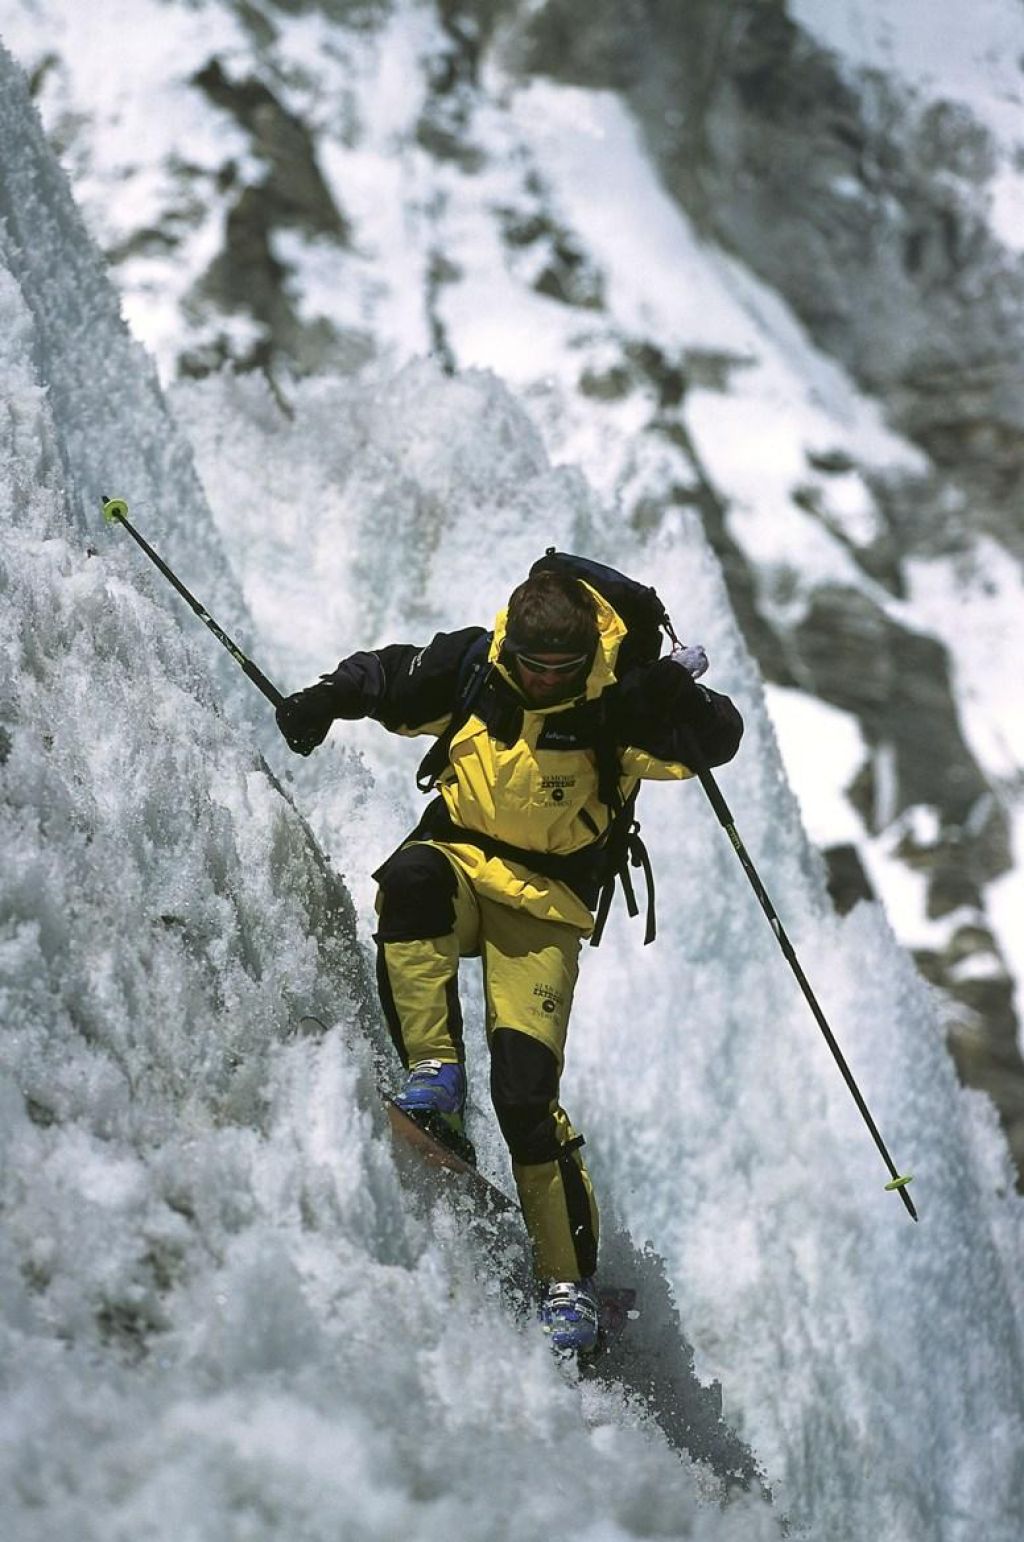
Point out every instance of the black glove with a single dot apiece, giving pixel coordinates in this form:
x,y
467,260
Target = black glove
x,y
691,703
305,718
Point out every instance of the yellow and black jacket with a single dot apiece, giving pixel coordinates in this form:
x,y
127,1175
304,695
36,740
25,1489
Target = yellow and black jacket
x,y
524,804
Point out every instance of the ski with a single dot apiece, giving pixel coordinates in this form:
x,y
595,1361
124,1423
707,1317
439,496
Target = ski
x,y
615,1303
438,1149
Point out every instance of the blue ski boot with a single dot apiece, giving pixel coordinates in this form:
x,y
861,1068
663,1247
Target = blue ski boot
x,y
434,1096
569,1316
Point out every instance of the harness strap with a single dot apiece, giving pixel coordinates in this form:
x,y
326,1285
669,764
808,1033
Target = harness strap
x,y
640,857
628,892
634,853
582,871
474,674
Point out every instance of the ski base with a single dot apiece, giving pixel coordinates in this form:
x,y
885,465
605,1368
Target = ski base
x,y
441,1133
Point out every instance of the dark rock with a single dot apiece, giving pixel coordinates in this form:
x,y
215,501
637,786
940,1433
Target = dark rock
x,y
39,1113
564,272
831,462
713,369
247,277
848,882
848,652
294,194
570,277
668,377
607,385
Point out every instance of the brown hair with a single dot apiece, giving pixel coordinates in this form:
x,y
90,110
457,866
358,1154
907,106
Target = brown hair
x,y
552,613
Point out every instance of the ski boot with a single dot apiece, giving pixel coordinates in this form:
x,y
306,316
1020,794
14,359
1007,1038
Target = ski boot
x,y
569,1316
434,1096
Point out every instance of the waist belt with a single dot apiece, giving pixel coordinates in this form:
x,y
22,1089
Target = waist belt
x,y
590,872
581,871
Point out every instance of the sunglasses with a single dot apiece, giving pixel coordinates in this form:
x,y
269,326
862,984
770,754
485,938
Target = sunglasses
x,y
540,667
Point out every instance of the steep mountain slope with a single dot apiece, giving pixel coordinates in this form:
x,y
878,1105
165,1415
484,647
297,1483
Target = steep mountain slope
x,y
298,187
866,163
220,1314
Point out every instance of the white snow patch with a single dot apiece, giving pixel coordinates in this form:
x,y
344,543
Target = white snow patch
x,y
823,749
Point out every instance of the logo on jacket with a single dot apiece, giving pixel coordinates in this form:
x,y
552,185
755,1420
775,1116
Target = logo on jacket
x,y
551,999
557,786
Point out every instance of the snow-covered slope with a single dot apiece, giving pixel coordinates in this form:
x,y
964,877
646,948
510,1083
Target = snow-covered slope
x,y
305,187
219,1313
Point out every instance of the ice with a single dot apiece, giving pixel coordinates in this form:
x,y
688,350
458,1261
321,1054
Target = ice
x,y
220,1313
717,1119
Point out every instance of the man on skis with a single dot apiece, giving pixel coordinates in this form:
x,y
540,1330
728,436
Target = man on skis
x,y
508,864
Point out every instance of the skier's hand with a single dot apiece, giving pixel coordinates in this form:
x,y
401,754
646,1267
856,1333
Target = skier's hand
x,y
690,701
305,718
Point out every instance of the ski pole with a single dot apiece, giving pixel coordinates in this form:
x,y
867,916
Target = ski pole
x,y
898,1182
115,512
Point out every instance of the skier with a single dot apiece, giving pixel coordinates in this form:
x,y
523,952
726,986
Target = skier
x,y
507,865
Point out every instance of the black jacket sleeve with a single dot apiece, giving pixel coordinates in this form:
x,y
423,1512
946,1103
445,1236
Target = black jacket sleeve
x,y
660,709
403,687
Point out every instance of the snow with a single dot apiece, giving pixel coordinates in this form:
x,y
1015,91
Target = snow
x,y
798,720
968,55
974,605
1006,211
220,1314
945,50
149,119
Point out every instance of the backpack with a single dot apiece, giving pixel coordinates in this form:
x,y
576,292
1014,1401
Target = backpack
x,y
646,619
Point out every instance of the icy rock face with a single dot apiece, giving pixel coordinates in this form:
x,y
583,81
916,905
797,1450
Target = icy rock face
x,y
95,372
143,899
218,1310
867,206
113,827
352,177
864,205
219,1315
291,195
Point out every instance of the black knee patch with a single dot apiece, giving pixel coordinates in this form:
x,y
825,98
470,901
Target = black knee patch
x,y
417,887
524,1085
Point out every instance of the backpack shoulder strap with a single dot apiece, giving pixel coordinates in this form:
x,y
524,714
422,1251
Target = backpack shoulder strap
x,y
474,671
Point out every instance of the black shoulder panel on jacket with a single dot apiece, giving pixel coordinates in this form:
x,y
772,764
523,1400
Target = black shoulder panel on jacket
x,y
355,687
421,684
656,708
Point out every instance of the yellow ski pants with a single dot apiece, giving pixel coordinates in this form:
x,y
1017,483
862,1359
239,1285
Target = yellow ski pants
x,y
430,917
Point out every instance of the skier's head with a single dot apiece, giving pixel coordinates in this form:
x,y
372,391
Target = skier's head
x,y
550,636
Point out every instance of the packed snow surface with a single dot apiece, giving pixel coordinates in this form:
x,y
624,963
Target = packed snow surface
x,y
220,1314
